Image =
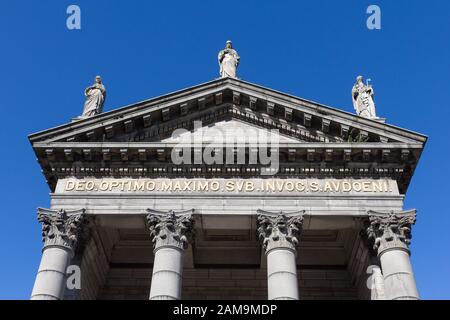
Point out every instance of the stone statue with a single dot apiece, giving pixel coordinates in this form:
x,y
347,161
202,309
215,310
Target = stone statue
x,y
95,97
363,103
228,61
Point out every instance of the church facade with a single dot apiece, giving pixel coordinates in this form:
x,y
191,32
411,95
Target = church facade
x,y
227,190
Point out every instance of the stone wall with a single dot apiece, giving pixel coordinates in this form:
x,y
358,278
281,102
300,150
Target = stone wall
x,y
214,283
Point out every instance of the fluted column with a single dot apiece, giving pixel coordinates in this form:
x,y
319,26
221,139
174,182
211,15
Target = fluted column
x,y
61,230
171,232
279,233
391,236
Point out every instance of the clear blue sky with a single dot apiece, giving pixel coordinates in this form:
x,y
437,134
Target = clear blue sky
x,y
312,49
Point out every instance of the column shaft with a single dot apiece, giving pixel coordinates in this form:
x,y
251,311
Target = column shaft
x,y
391,235
398,276
279,232
167,274
51,277
61,231
282,275
170,232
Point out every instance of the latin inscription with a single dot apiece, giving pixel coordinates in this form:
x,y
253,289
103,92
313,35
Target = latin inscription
x,y
228,185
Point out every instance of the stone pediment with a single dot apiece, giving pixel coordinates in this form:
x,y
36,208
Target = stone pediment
x,y
140,137
223,99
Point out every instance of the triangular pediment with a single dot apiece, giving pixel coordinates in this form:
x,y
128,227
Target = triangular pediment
x,y
154,120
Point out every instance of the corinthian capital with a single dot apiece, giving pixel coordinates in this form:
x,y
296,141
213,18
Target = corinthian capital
x,y
170,229
390,230
279,229
61,227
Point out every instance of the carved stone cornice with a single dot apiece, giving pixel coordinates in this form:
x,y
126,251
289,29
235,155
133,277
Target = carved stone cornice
x,y
62,228
390,230
170,228
279,229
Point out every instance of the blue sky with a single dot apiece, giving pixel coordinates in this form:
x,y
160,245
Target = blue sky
x,y
142,49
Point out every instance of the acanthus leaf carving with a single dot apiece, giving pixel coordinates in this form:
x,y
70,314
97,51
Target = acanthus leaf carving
x,y
173,229
279,229
390,230
61,227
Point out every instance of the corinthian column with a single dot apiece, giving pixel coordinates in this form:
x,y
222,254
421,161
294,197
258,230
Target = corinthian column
x,y
391,236
60,233
279,233
170,232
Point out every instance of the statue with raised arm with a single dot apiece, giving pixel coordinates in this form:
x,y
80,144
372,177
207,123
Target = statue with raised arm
x,y
95,98
363,103
228,61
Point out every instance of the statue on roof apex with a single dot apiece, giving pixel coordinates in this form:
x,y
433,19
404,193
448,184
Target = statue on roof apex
x,y
363,102
228,61
95,98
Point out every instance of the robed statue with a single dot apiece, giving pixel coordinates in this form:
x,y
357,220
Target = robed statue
x,y
95,98
363,103
228,61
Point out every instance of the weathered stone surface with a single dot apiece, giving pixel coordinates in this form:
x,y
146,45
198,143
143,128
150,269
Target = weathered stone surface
x,y
391,235
362,95
333,165
170,232
197,285
228,61
95,98
61,232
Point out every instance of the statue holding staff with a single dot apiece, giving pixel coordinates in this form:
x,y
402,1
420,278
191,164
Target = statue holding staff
x,y
362,95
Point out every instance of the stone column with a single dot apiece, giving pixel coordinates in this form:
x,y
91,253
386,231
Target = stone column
x,y
391,235
279,233
60,233
171,233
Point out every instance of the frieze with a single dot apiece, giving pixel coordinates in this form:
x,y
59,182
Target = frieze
x,y
220,185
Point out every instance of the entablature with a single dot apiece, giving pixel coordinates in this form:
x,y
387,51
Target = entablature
x,y
320,160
